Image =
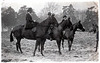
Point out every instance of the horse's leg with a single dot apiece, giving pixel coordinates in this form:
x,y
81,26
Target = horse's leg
x,y
39,48
42,47
19,45
69,45
62,43
44,43
59,43
36,44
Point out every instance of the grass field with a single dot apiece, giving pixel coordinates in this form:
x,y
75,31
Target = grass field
x,y
83,49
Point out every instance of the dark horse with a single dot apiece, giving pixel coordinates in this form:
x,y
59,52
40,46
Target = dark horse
x,y
57,32
20,33
69,33
41,33
95,30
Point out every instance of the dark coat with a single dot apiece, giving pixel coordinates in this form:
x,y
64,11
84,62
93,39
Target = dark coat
x,y
29,21
54,21
67,23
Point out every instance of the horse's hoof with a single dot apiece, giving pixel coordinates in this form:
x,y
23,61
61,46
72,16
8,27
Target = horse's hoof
x,y
42,54
60,53
33,54
69,50
21,52
18,50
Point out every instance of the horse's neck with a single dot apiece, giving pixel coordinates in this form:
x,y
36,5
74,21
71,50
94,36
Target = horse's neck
x,y
74,28
63,23
44,23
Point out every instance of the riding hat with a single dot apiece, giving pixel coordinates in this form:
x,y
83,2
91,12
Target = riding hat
x,y
49,13
29,10
53,14
64,16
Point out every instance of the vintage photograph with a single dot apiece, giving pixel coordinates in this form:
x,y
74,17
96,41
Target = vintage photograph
x,y
43,30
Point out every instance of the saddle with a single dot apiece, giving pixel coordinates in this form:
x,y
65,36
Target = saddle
x,y
24,30
32,29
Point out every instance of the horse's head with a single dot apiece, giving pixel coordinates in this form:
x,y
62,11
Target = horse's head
x,y
80,26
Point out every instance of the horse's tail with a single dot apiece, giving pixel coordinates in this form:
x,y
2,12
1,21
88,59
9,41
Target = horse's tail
x,y
11,37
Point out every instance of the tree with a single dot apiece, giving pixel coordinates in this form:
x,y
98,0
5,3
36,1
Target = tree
x,y
50,7
22,15
80,15
8,18
91,18
69,11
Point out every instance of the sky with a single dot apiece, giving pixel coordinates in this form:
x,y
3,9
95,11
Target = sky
x,y
38,5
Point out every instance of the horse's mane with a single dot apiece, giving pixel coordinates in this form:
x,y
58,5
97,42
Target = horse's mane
x,y
44,22
72,26
75,24
62,22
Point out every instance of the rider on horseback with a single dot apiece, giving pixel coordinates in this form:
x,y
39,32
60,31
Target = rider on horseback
x,y
68,20
54,23
49,15
54,20
64,18
29,21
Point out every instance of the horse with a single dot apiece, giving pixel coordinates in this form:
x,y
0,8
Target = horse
x,y
19,33
69,33
57,32
95,30
41,33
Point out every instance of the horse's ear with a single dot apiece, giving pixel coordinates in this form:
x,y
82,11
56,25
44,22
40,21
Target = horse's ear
x,y
79,21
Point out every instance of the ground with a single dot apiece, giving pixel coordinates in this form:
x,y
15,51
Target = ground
x,y
83,49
